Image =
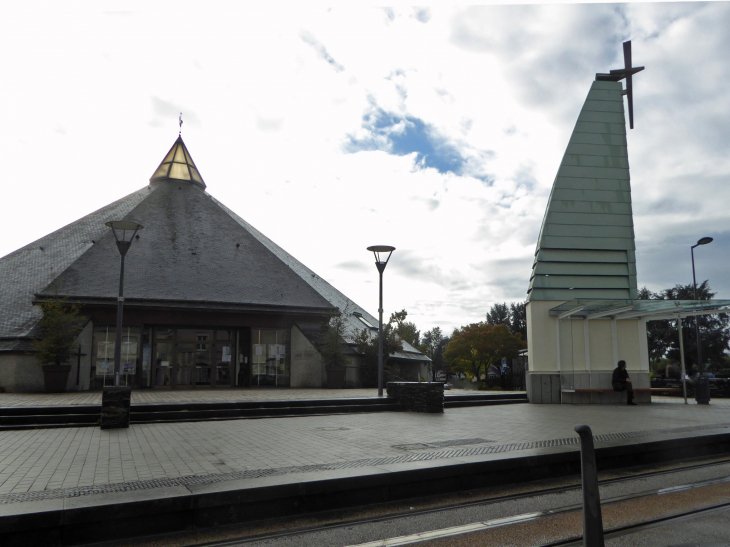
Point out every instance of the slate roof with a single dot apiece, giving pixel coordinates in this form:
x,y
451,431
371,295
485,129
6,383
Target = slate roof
x,y
193,252
189,252
31,268
346,306
586,245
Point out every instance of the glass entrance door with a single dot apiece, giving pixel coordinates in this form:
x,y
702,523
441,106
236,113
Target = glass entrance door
x,y
269,359
194,357
185,364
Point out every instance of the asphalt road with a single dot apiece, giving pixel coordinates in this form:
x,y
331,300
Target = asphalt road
x,y
357,527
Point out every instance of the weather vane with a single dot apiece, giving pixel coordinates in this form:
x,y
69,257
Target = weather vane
x,y
180,133
627,72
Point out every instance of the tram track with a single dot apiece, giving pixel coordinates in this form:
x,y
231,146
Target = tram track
x,y
643,526
337,522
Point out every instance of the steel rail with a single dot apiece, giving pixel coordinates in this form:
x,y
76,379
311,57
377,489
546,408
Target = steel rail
x,y
646,525
491,501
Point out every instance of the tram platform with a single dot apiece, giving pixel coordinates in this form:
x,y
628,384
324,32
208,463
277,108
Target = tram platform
x,y
75,485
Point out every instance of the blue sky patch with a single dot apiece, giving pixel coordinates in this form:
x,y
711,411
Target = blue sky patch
x,y
403,135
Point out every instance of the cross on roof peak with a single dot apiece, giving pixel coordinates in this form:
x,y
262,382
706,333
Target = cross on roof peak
x,y
627,72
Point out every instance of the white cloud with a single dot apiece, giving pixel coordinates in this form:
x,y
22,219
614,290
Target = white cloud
x,y
269,96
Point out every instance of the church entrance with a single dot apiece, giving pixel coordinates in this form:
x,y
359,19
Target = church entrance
x,y
194,357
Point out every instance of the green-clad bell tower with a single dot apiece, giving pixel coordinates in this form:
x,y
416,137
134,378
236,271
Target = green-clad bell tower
x,y
586,252
586,244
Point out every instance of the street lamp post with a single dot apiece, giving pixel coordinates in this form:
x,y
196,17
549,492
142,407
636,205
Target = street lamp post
x,y
700,395
120,229
379,250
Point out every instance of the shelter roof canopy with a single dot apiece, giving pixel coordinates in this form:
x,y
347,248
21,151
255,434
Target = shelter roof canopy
x,y
630,309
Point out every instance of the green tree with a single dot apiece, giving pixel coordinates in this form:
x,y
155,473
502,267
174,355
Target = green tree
x,y
433,344
518,319
658,333
333,346
476,347
366,342
499,314
405,330
59,327
662,336
514,316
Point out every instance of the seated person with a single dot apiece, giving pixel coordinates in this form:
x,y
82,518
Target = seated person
x,y
621,382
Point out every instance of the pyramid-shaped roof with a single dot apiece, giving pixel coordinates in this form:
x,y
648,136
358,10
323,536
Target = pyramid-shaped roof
x,y
586,244
193,252
32,268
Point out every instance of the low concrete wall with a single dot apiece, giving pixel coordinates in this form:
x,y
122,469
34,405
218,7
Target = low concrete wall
x,y
21,373
418,396
547,388
543,387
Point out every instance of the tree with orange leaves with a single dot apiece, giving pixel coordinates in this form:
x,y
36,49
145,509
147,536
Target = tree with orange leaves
x,y
476,347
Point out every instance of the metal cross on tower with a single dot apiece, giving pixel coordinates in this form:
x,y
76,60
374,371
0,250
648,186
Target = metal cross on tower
x,y
627,72
180,133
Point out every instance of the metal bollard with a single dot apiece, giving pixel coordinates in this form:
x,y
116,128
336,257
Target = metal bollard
x,y
592,521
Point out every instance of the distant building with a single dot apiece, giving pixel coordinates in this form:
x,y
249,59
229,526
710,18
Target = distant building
x,y
209,300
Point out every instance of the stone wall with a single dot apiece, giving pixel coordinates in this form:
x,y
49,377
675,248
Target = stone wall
x,y
115,406
418,396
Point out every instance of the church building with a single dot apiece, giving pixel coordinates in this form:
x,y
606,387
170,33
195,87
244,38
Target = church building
x,y
208,299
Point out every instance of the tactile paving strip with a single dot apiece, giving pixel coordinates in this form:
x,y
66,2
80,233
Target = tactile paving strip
x,y
367,462
440,444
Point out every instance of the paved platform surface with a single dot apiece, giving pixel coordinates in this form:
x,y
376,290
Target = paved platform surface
x,y
72,462
163,396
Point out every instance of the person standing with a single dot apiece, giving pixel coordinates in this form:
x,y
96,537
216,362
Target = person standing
x,y
622,382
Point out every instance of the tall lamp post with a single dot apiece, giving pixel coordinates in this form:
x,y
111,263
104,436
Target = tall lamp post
x,y
702,392
379,251
120,229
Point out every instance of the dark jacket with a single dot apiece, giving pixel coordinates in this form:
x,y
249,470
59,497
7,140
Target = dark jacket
x,y
618,381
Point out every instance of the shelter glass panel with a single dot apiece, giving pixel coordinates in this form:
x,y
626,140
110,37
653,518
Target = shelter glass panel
x,y
566,345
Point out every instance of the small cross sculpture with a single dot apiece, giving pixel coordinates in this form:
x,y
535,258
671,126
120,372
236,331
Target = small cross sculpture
x,y
180,133
627,72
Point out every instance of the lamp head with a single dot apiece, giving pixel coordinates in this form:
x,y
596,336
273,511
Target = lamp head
x,y
704,241
379,252
124,232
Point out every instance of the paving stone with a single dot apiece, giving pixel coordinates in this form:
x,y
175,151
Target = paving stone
x,y
76,460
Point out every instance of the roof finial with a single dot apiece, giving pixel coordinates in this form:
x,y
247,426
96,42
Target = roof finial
x,y
180,133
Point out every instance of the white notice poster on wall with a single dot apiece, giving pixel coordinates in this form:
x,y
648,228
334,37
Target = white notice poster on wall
x,y
129,348
105,349
281,351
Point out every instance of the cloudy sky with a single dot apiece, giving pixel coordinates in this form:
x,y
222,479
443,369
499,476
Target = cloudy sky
x,y
436,130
